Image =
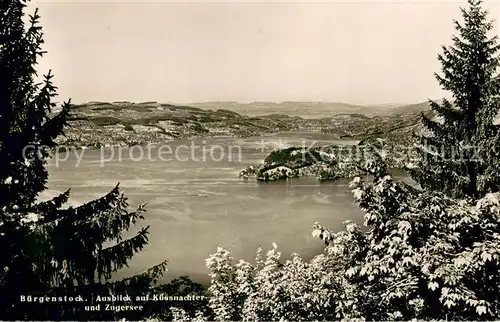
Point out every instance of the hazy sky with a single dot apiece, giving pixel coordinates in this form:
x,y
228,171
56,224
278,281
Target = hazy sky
x,y
361,52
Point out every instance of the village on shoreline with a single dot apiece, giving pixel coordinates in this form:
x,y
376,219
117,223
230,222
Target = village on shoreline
x,y
96,124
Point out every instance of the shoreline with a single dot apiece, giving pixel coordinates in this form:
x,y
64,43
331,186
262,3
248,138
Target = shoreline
x,y
196,137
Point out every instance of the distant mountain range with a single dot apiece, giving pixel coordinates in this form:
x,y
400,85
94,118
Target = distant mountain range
x,y
96,124
312,109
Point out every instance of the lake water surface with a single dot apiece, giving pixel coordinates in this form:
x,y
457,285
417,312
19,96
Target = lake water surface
x,y
196,202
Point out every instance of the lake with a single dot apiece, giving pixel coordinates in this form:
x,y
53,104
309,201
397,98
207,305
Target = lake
x,y
196,202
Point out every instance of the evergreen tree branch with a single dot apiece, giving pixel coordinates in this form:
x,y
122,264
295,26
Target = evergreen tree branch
x,y
112,259
50,206
446,110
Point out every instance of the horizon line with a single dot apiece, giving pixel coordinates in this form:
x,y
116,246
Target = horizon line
x,y
242,102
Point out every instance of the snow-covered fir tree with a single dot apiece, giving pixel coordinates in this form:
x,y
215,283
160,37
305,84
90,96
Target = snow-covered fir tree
x,y
48,249
455,153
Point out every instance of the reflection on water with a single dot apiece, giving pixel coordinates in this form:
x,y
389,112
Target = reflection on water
x,y
195,206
